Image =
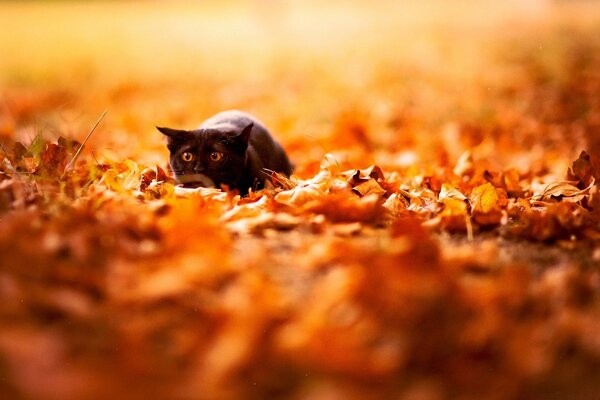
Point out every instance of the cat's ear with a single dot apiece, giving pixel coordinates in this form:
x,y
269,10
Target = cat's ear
x,y
175,134
245,134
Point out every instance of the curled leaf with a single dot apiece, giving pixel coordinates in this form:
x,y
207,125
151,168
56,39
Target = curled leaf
x,y
560,190
450,192
149,175
369,187
585,170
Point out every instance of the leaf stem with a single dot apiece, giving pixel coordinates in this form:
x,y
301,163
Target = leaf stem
x,y
70,164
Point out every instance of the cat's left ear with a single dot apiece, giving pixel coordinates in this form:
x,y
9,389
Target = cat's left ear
x,y
245,134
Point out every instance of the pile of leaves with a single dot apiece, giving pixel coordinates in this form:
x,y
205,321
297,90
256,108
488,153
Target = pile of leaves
x,y
334,286
439,239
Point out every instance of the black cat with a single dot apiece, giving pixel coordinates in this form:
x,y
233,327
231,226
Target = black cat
x,y
230,149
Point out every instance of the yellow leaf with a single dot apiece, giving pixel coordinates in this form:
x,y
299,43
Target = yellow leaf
x,y
484,198
454,207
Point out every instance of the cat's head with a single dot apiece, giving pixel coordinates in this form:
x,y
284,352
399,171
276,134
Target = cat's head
x,y
208,157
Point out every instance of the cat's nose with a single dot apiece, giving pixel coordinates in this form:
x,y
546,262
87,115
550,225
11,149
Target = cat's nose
x,y
199,169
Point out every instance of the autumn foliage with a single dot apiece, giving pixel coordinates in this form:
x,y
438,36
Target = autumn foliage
x,y
405,258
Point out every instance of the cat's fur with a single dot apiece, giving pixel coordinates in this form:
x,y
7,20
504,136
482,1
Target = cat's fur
x,y
249,153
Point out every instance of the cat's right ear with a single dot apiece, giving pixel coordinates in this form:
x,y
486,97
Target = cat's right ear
x,y
175,137
175,134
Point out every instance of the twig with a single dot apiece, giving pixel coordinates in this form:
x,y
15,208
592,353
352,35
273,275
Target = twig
x,y
82,144
283,180
4,150
469,228
94,155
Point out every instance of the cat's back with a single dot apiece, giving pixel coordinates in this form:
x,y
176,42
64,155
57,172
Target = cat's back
x,y
269,152
232,119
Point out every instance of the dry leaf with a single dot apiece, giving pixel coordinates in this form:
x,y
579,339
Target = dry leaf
x,y
450,192
484,198
303,193
340,207
369,187
586,169
559,190
327,285
464,165
264,220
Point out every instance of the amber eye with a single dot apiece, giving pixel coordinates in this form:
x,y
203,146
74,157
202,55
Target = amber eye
x,y
187,156
216,156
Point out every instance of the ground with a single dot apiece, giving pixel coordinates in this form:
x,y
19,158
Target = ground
x,y
439,238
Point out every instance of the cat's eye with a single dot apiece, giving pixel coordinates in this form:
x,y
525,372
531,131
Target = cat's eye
x,y
187,156
216,156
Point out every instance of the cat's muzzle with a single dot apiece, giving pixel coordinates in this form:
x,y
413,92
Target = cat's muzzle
x,y
195,180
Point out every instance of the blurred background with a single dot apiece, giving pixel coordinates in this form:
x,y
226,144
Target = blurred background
x,y
380,77
106,291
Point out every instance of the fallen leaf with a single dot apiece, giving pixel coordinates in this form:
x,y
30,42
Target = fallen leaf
x,y
585,170
559,190
464,165
395,205
265,220
450,192
369,187
484,198
340,207
303,193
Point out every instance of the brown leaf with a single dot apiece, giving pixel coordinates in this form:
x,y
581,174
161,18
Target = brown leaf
x,y
18,152
28,164
547,221
362,175
149,175
161,175
559,190
53,158
584,170
342,207
280,180
369,187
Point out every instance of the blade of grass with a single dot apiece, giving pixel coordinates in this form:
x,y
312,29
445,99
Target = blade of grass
x,y
70,164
